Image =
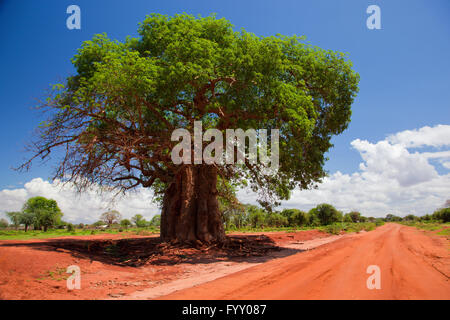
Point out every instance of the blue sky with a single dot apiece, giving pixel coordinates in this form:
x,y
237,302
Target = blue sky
x,y
404,67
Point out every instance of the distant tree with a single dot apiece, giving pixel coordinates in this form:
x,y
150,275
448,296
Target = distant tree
x,y
156,220
45,211
410,217
442,215
98,223
326,214
299,218
81,225
125,223
256,216
70,227
392,218
113,118
28,218
276,220
47,219
3,223
110,217
139,221
348,218
355,216
363,219
14,217
289,214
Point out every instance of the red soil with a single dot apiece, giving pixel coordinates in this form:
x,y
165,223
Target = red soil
x,y
414,265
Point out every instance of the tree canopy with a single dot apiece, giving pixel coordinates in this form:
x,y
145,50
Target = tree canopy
x,y
115,116
110,217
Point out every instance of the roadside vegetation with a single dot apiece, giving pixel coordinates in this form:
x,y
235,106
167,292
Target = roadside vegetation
x,y
437,221
41,218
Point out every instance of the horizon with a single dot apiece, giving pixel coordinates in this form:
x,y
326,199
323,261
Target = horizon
x,y
393,158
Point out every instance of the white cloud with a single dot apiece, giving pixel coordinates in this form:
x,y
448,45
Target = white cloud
x,y
391,179
426,136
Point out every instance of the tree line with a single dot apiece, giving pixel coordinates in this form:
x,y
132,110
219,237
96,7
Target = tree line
x,y
251,216
42,214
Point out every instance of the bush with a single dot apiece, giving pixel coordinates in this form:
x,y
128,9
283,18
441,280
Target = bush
x,y
276,220
326,214
334,228
70,227
442,214
300,218
3,223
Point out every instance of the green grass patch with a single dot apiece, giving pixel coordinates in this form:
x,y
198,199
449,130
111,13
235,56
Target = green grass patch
x,y
445,232
53,233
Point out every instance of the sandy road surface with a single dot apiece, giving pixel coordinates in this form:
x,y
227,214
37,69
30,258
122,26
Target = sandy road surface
x,y
413,265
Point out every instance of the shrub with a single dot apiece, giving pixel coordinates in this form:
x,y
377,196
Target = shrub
x,y
326,214
300,218
442,214
334,228
3,223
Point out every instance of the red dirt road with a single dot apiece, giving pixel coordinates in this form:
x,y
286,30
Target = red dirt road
x,y
413,264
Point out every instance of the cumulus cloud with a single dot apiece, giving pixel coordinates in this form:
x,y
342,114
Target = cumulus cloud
x,y
86,207
391,179
384,160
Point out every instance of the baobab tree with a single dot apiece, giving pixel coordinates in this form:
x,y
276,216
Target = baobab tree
x,y
113,119
111,217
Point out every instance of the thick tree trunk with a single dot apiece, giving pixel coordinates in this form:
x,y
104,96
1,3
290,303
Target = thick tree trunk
x,y
190,208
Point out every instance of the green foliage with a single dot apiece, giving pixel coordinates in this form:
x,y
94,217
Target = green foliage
x,y
29,218
43,213
276,220
338,228
256,216
110,217
139,221
70,227
98,223
393,218
347,218
14,217
355,216
442,215
125,223
186,68
410,217
300,218
3,223
156,220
